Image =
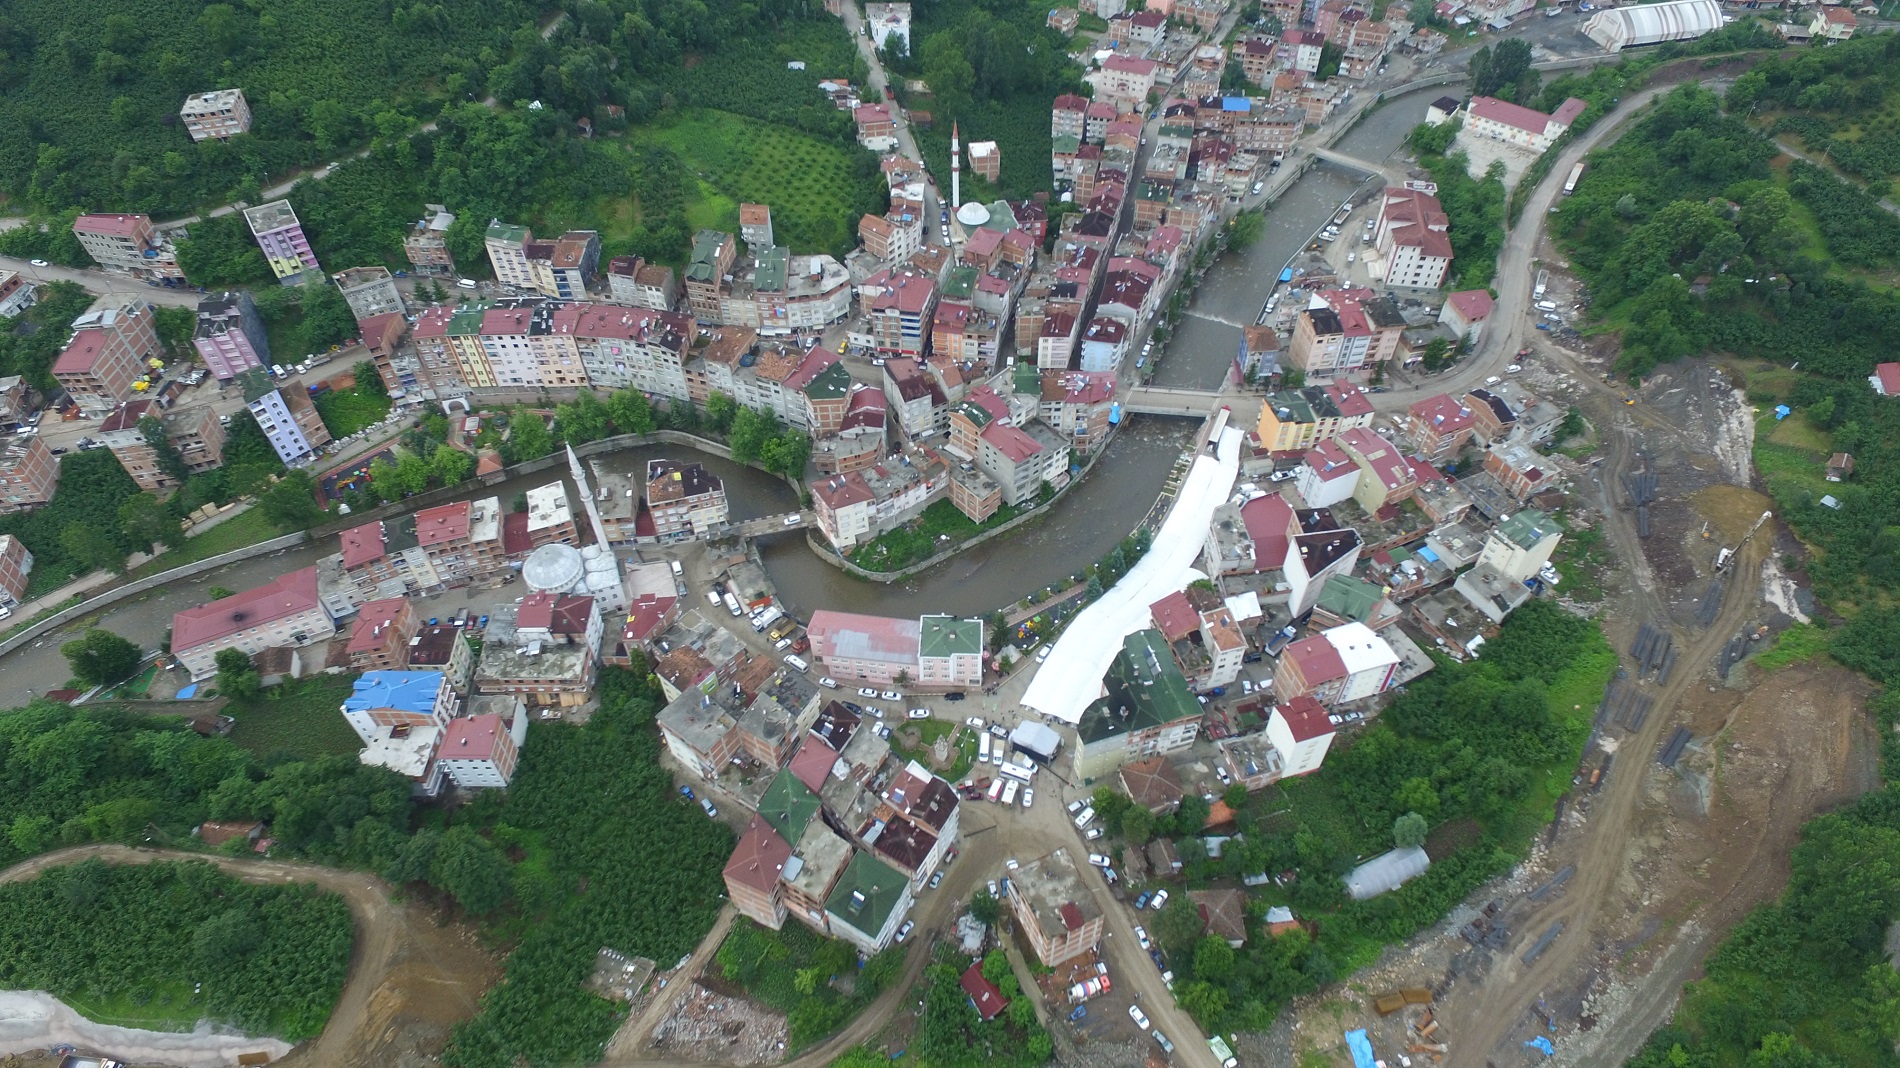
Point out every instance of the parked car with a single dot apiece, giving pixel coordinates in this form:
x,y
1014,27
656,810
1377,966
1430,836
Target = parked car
x,y
918,713
1098,859
1141,937
935,879
828,682
1075,806
708,806
954,695
904,931
1093,834
993,888
1140,1018
1160,899
1080,1011
866,691
1043,653
891,695
975,722
1162,1041
1142,901
1029,796
1011,864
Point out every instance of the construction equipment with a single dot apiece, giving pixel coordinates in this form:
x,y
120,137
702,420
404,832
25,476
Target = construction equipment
x,y
1727,555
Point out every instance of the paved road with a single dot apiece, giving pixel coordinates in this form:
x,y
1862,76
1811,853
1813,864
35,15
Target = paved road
x,y
877,81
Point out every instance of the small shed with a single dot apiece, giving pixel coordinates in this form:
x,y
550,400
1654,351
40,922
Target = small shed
x,y
1839,466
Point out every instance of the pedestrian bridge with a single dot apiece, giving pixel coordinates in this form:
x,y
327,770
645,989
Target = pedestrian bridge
x,y
1163,400
771,524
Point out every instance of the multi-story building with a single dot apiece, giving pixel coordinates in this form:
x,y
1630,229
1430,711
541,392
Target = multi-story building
x,y
560,268
16,564
283,612
1020,460
1439,427
369,291
1515,124
632,280
194,432
752,874
1124,81
463,541
868,904
427,243
843,506
396,364
282,240
220,114
383,559
16,294
1297,419
546,649
892,237
1466,311
479,752
685,499
865,649
127,243
444,647
106,355
1520,544
915,397
712,258
230,336
755,223
1078,405
1055,908
550,518
1385,475
383,699
28,473
288,419
1413,237
623,347
380,635
899,304
1147,708
950,652
1336,666
1351,332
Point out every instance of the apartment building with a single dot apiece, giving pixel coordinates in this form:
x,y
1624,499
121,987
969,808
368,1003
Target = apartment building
x,y
16,566
622,347
752,874
632,280
1520,544
396,364
217,115
685,499
287,417
427,242
1055,909
127,243
369,291
1020,460
900,304
1124,81
560,269
545,649
381,633
193,431
868,650
281,238
480,751
1351,332
384,558
106,355
16,294
711,260
1439,427
892,237
1146,709
549,520
438,369
1385,474
843,505
868,904
1301,733
950,652
463,541
1515,124
1078,405
1413,237
1336,666
28,473
283,612
230,336
404,699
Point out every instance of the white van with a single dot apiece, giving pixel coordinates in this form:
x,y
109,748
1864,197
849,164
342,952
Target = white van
x,y
465,283
797,662
678,571
1546,305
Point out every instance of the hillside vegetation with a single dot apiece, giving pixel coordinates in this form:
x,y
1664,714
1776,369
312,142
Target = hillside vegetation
x,y
1698,234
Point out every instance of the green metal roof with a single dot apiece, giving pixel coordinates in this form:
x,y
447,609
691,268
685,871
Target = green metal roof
x,y
509,232
468,318
1527,528
788,805
774,264
866,893
704,264
1028,379
1065,145
1144,683
959,283
255,383
1349,598
975,413
950,636
832,383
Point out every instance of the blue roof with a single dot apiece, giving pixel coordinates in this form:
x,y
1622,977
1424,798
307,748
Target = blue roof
x,y
1236,103
410,691
1426,554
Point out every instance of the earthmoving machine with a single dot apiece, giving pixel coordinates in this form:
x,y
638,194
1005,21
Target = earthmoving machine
x,y
1726,556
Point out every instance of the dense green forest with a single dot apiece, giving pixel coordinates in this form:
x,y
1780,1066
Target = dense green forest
x,y
1469,761
1836,101
993,67
129,942
1697,234
589,811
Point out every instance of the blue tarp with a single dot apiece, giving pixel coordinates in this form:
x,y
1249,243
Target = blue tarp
x,y
1542,1045
188,691
1361,1048
1286,275
1782,411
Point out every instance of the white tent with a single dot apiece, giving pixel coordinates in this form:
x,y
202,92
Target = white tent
x,y
1618,28
1071,679
1035,739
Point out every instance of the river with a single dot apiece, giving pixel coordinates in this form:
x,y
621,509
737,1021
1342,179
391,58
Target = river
x,y
1201,352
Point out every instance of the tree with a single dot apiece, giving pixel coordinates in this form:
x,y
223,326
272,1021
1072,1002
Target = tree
x,y
169,461
630,412
1408,831
721,410
1245,229
92,548
368,382
225,937
237,675
985,908
146,522
1138,825
528,436
101,657
1179,927
1573,425
470,869
584,420
292,504
1235,796
1203,1001
451,465
1214,960
412,474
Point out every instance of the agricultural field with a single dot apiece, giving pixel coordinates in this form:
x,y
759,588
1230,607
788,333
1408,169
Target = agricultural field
x,y
299,718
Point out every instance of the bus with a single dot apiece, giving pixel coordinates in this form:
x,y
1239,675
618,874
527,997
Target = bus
x,y
1570,183
996,790
1016,772
1009,791
983,751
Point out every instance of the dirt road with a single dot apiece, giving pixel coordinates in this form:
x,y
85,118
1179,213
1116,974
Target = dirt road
x,y
399,957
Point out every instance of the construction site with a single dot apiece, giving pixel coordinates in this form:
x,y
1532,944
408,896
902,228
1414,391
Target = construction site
x,y
1698,773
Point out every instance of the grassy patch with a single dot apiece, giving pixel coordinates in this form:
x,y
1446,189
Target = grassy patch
x,y
1797,432
348,411
171,1008
940,527
1583,559
1785,467
247,528
809,184
1803,641
299,718
963,749
815,981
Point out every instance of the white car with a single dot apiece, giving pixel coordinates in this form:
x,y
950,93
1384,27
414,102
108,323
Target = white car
x,y
1098,859
1043,654
1076,806
891,695
828,682
866,691
1141,937
1093,834
1140,1018
918,713
975,722
904,931
1011,864
992,887
39,263
1029,796
1160,899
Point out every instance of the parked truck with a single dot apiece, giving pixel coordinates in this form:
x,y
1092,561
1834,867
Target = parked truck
x,y
1089,988
767,618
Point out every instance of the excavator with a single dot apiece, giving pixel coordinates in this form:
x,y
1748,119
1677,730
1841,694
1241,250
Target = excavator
x,y
1726,556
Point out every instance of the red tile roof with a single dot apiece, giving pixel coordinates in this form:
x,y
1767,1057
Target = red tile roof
x,y
1503,111
472,737
110,225
759,857
362,544
443,523
1889,376
1568,111
1174,617
1305,716
812,763
646,616
1442,414
366,633
1010,441
843,491
286,595
81,353
1318,662
988,1000
1329,461
1269,522
1472,305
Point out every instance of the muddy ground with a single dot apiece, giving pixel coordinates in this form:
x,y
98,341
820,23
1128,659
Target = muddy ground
x,y
1653,865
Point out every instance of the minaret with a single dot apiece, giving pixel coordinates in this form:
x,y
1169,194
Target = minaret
x,y
956,170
